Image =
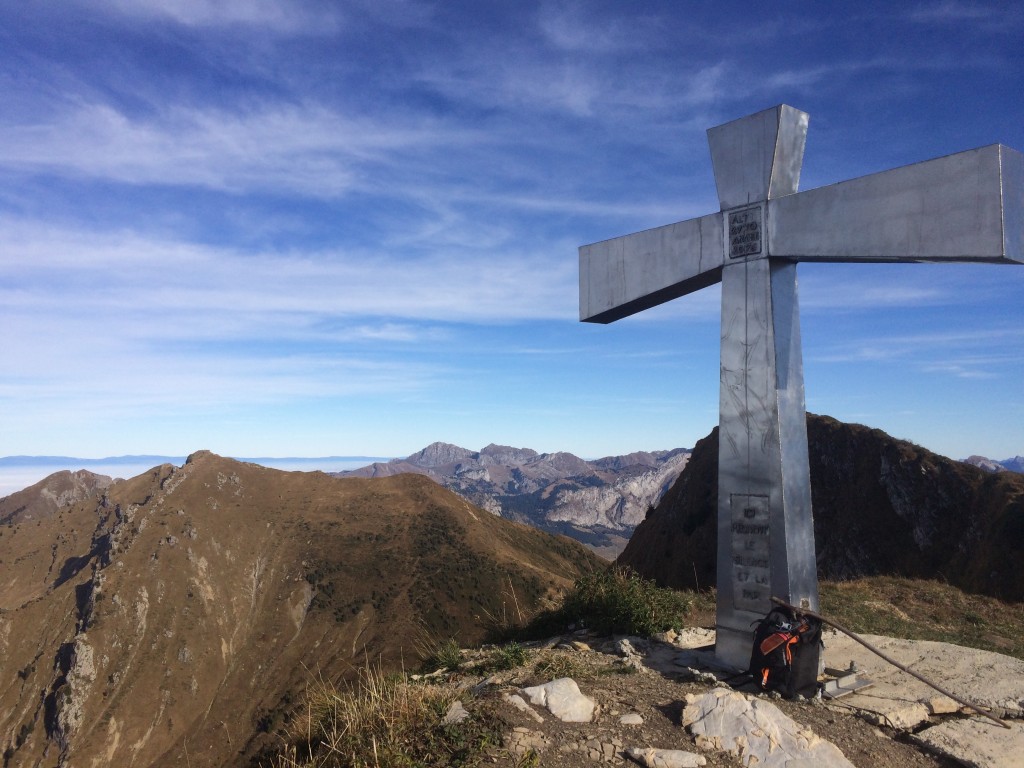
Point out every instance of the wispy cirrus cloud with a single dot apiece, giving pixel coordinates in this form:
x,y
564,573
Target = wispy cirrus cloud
x,y
964,354
311,150
47,269
278,16
574,26
948,11
970,369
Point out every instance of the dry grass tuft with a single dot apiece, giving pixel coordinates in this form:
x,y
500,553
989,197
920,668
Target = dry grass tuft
x,y
382,721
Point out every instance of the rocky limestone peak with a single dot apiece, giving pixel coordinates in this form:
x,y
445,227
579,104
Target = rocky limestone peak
x,y
981,462
597,504
438,454
1016,464
504,454
638,458
199,456
52,493
565,464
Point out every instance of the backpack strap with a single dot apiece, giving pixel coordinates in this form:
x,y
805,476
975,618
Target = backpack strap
x,y
773,641
793,640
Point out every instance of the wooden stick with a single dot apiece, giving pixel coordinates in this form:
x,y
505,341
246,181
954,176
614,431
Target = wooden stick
x,y
898,665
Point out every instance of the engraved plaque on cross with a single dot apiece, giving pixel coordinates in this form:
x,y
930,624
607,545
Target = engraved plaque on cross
x,y
963,207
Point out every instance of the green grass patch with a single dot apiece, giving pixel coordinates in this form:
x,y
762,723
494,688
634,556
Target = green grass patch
x,y
917,609
615,601
561,665
508,656
444,654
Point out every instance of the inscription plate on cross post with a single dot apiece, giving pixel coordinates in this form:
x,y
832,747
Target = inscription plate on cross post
x,y
745,232
750,534
963,207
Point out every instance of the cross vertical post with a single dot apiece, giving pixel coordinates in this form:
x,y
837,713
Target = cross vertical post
x,y
765,529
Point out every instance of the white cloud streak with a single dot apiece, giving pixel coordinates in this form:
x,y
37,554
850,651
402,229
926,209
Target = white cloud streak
x,y
68,271
278,16
950,11
308,150
965,354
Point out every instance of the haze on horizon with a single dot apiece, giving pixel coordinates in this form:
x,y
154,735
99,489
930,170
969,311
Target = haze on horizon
x,y
297,229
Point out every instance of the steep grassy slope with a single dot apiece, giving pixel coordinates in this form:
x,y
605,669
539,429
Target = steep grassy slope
x,y
172,619
881,507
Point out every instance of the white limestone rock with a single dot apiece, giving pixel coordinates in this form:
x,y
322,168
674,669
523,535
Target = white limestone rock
x,y
901,716
563,699
940,705
71,696
975,742
695,637
757,732
456,713
668,636
522,706
666,758
985,678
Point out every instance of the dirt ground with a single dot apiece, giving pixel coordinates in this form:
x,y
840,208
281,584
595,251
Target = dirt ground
x,y
659,699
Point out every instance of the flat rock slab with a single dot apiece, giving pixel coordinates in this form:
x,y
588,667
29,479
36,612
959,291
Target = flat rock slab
x,y
664,655
694,637
563,699
757,732
522,706
976,743
666,758
982,677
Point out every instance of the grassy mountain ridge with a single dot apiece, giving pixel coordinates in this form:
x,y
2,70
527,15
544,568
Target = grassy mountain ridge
x,y
182,609
596,502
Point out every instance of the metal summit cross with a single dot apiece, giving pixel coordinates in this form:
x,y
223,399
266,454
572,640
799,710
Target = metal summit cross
x,y
963,207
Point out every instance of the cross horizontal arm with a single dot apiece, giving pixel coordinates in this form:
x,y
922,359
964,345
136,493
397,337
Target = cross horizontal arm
x,y
628,274
963,207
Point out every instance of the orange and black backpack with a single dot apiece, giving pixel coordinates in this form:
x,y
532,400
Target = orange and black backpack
x,y
786,653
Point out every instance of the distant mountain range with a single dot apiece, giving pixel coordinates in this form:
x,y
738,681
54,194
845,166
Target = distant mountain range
x,y
1016,464
596,502
155,460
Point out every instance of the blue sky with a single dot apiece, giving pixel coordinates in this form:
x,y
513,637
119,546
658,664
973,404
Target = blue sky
x,y
330,228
